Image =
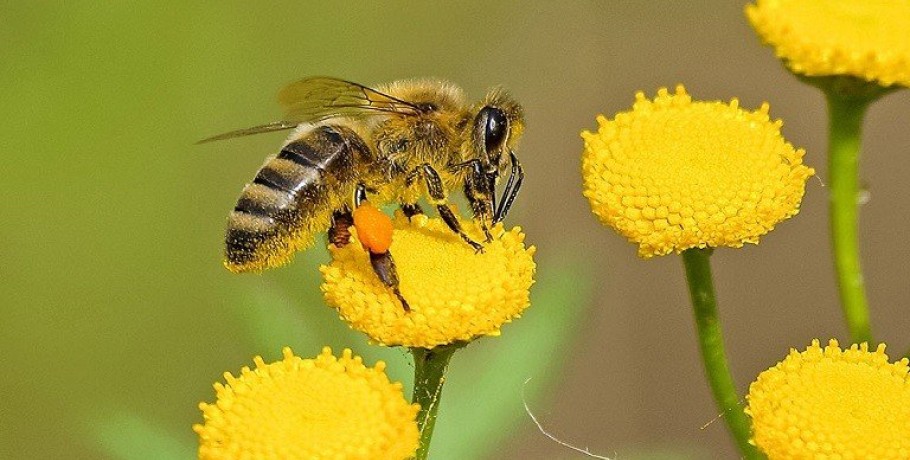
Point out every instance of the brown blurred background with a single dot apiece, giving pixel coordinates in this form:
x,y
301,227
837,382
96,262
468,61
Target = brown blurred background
x,y
116,313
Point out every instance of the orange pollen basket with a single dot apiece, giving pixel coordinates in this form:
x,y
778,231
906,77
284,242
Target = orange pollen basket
x,y
374,228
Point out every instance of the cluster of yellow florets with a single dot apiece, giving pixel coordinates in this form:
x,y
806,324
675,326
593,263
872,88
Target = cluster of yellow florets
x,y
296,408
673,174
833,403
454,293
866,39
338,408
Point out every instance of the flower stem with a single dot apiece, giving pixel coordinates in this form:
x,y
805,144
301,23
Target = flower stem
x,y
845,122
429,375
711,341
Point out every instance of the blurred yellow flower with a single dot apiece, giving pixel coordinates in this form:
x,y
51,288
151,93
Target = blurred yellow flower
x,y
454,293
296,408
866,39
827,403
673,174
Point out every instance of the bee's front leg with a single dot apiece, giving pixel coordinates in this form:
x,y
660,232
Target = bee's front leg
x,y
478,188
438,198
512,187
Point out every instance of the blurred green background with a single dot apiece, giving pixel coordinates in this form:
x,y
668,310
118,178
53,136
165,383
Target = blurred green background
x,y
117,315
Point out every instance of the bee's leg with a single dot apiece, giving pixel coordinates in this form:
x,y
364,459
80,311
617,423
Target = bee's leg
x,y
360,194
382,263
491,186
482,213
342,220
478,189
411,209
384,267
340,230
438,198
511,191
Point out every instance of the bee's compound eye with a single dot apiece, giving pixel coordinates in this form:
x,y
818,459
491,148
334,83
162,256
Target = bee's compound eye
x,y
496,127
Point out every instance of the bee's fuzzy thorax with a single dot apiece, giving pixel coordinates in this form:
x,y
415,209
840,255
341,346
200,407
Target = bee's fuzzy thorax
x,y
444,93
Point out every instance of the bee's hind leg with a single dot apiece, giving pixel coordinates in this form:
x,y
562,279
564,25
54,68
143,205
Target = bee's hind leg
x,y
382,262
340,230
343,220
384,267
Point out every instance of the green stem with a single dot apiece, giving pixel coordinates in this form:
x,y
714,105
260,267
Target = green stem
x,y
845,122
711,341
429,375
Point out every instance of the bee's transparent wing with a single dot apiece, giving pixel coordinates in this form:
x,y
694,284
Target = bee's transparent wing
x,y
316,99
320,98
267,128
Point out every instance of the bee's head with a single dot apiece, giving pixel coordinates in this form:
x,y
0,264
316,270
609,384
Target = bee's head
x,y
497,127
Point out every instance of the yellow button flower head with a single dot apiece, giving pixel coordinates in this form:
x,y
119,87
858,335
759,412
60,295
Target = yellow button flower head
x,y
833,404
673,174
296,408
866,39
454,293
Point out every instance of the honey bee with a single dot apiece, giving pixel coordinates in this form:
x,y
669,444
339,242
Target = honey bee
x,y
396,143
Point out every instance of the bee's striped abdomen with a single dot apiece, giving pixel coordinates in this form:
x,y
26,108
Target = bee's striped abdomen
x,y
290,198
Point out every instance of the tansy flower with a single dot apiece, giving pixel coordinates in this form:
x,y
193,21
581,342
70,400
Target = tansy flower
x,y
827,403
673,173
454,293
296,408
865,39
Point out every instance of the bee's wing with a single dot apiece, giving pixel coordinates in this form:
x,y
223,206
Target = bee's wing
x,y
319,98
316,99
267,128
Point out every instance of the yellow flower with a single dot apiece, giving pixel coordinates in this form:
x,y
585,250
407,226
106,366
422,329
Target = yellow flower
x,y
454,293
831,403
673,174
866,39
296,408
